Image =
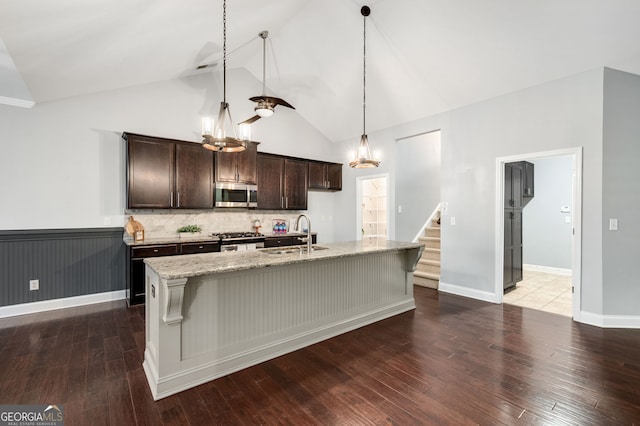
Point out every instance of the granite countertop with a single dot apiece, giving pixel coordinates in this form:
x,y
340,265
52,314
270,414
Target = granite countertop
x,y
170,240
197,239
191,265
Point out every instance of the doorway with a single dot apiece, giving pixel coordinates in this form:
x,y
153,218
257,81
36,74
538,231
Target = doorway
x,y
569,213
372,208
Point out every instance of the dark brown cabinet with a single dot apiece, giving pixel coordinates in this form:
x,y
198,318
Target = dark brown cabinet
x,y
281,241
287,240
150,172
513,203
282,182
237,166
270,177
194,176
135,289
164,173
325,176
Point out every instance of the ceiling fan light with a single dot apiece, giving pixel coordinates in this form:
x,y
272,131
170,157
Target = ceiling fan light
x,y
264,111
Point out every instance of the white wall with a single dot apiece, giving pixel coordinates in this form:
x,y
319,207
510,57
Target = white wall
x,y
547,236
561,114
62,163
621,192
417,182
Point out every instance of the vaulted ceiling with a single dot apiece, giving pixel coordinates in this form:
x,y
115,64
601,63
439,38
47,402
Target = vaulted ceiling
x,y
423,56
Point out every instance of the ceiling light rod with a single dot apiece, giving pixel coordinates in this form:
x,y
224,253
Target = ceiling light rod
x,y
214,135
264,109
361,159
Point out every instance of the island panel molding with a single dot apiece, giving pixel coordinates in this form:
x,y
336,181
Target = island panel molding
x,y
174,291
246,315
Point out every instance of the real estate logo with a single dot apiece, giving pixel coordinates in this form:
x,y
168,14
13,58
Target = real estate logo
x,y
31,415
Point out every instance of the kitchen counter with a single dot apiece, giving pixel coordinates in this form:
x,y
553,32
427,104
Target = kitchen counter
x,y
196,239
170,240
208,315
212,263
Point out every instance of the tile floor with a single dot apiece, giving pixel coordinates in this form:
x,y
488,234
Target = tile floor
x,y
542,291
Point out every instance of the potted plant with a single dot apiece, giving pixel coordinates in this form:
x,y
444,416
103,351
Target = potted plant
x,y
189,231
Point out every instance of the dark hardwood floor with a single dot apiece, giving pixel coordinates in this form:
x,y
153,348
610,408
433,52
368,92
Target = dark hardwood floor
x,y
451,361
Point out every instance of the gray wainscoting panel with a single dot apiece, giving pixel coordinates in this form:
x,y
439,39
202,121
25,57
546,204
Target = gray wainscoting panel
x,y
68,262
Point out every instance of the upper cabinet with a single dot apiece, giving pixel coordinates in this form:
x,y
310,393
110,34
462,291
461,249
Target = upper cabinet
x,y
237,166
325,176
526,185
282,182
194,176
165,173
171,174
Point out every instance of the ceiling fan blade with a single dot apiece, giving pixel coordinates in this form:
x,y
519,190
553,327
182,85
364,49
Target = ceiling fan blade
x,y
272,100
251,120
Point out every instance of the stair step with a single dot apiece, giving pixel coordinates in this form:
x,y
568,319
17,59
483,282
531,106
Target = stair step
x,y
426,281
431,254
432,231
430,242
426,275
428,266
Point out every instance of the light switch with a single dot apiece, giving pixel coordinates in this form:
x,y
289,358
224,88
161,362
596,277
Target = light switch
x,y
400,208
453,220
567,219
613,224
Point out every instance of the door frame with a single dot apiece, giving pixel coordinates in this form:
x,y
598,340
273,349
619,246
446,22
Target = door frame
x,y
576,217
359,182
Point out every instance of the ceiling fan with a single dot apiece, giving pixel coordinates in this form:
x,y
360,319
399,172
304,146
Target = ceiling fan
x,y
266,104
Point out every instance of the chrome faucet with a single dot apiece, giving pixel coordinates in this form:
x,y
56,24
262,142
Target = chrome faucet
x,y
307,240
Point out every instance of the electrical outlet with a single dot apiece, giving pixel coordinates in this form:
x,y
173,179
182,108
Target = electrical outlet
x,y
613,224
34,285
453,220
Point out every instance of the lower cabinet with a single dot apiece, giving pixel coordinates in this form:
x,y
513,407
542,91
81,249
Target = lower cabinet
x,y
287,240
135,291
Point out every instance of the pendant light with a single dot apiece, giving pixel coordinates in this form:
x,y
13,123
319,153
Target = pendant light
x,y
214,136
361,159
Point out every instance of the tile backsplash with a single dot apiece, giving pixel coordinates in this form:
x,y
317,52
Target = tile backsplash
x,y
165,223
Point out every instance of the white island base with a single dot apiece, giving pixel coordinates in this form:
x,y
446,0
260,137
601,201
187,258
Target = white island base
x,y
235,310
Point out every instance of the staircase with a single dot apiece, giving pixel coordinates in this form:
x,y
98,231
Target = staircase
x,y
427,273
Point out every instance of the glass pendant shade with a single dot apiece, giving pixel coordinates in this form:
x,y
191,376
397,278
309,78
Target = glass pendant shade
x,y
361,159
214,136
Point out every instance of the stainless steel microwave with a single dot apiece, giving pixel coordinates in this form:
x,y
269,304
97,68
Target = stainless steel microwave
x,y
236,195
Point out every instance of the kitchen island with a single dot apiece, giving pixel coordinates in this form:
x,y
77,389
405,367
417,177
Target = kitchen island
x,y
208,315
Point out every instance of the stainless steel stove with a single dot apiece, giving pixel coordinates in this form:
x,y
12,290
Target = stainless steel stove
x,y
239,241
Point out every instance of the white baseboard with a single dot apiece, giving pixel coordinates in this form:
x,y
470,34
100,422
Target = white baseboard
x,y
67,302
468,292
548,269
610,321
